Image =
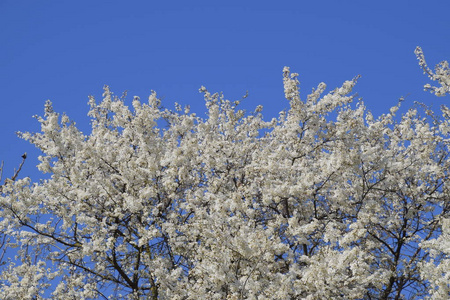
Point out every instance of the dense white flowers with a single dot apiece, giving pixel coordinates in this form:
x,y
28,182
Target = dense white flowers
x,y
324,202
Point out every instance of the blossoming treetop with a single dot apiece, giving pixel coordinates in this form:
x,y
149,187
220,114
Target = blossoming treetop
x,y
324,202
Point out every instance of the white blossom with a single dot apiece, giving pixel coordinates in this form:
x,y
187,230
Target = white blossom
x,y
324,202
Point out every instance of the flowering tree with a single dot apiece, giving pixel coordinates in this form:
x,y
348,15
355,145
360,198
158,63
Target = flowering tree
x,y
324,202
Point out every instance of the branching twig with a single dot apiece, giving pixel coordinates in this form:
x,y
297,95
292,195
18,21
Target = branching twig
x,y
16,173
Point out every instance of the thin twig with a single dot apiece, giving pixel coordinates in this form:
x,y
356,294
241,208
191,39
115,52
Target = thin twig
x,y
16,173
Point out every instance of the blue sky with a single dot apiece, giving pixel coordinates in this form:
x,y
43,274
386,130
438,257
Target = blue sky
x,y
67,50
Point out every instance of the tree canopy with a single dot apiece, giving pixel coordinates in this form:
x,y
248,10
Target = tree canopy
x,y
325,201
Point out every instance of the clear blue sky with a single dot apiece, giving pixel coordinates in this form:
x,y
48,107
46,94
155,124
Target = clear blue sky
x,y
67,50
